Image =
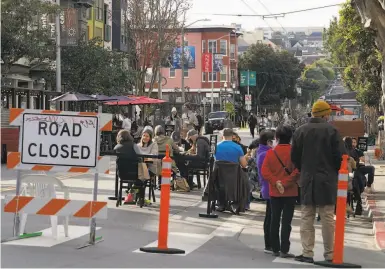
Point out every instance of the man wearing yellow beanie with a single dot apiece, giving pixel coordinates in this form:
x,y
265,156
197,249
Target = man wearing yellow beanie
x,y
316,152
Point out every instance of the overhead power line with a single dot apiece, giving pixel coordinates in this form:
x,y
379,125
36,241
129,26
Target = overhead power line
x,y
276,15
265,7
247,5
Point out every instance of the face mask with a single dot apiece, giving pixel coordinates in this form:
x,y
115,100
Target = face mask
x,y
275,142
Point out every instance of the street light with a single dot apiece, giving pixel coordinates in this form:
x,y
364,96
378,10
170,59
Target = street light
x,y
182,56
212,71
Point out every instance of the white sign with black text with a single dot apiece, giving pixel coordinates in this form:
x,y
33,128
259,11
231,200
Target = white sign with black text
x,y
63,140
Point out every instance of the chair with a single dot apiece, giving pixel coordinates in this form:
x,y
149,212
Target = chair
x,y
43,186
199,170
127,170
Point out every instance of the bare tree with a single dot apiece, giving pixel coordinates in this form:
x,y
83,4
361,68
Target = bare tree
x,y
152,28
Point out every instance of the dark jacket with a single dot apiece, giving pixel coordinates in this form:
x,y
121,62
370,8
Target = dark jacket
x,y
203,147
317,153
126,160
231,183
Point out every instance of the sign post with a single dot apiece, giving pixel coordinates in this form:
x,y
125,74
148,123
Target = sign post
x,y
59,141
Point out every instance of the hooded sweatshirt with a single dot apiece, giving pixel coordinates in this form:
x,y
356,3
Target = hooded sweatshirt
x,y
261,154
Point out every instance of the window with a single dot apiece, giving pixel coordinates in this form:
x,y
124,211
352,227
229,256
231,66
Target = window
x,y
204,76
105,17
212,46
204,49
88,13
98,32
99,10
223,47
185,73
224,73
148,77
107,33
210,76
172,73
232,51
232,75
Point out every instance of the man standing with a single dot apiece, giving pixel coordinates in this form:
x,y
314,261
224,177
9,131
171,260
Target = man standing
x,y
189,120
252,121
126,124
317,153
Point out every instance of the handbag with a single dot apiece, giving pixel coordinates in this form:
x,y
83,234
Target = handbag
x,y
181,185
143,173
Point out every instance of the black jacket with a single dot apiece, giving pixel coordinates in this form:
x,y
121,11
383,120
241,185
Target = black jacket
x,y
316,151
231,183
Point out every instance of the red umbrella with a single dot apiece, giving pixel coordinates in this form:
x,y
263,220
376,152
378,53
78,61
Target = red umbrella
x,y
137,100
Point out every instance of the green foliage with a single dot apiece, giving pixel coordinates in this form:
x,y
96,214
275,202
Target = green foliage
x,y
277,71
89,68
22,34
353,47
229,108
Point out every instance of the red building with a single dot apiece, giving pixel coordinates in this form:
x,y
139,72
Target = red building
x,y
198,84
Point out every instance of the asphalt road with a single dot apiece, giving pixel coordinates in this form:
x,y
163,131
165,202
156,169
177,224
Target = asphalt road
x,y
229,241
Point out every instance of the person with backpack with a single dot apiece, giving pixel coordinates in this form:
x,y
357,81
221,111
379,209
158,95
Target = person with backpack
x,y
279,172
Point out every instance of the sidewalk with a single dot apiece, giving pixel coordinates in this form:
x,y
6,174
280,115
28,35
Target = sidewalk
x,y
375,202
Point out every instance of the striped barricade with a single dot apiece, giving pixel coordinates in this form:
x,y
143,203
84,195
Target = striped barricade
x,y
56,207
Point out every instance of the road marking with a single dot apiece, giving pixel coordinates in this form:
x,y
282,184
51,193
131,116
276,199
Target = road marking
x,y
47,240
192,241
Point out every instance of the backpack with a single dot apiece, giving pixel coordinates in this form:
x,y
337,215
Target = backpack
x,y
181,185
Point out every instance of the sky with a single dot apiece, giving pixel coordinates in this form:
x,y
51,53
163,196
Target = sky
x,y
202,9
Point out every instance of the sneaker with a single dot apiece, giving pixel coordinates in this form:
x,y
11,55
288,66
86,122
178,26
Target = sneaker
x,y
276,254
302,258
287,255
268,251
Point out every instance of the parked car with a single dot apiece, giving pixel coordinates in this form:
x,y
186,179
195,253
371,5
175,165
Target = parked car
x,y
217,120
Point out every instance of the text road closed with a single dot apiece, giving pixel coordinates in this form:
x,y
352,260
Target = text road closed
x,y
59,140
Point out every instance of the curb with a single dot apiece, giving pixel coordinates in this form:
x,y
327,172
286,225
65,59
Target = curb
x,y
378,219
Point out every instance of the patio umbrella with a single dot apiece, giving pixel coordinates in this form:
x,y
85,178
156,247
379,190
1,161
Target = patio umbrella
x,y
75,97
137,100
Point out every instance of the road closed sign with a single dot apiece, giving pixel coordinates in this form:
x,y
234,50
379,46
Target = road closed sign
x,y
64,140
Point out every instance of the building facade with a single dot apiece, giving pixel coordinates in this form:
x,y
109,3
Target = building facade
x,y
198,84
99,22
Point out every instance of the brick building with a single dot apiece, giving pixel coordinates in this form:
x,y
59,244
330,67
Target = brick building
x,y
207,39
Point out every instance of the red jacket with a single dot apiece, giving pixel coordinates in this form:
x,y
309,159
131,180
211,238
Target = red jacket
x,y
273,171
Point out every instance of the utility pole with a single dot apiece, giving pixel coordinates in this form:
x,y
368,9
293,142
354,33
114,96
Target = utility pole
x,y
58,54
212,82
182,61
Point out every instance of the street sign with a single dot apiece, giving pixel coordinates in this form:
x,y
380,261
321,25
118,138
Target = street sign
x,y
248,107
248,99
204,101
64,140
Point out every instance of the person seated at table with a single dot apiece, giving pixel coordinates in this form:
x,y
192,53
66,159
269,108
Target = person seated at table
x,y
180,142
230,151
362,167
237,140
162,140
196,157
147,147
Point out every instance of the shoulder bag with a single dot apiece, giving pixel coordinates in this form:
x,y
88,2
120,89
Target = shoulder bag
x,y
280,161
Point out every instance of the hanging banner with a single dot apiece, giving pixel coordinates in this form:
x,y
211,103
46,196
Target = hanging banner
x,y
69,27
218,62
189,58
207,62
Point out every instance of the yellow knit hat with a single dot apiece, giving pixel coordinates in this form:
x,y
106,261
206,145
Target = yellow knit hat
x,y
320,109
